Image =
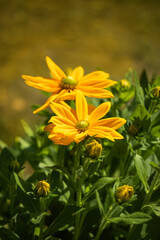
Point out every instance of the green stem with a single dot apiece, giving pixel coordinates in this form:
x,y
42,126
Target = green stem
x,y
61,155
105,221
146,200
152,106
43,204
76,161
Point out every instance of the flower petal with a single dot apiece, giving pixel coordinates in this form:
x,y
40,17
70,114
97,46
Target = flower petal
x,y
79,137
81,106
77,73
105,131
98,83
56,72
62,111
113,123
95,92
96,75
99,112
42,83
61,121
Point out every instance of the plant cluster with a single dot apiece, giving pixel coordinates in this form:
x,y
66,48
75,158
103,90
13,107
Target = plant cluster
x,y
91,169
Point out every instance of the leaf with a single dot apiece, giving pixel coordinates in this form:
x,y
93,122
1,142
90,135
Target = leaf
x,y
66,217
139,94
140,112
155,166
141,170
134,218
144,80
27,129
98,185
154,208
100,205
8,235
39,218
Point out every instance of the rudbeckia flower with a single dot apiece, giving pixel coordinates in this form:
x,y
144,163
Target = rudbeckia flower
x,y
64,87
74,125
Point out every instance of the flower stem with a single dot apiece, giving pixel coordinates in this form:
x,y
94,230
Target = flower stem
x,y
152,107
61,155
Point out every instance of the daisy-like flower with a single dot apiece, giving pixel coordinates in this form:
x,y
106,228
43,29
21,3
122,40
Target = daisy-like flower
x,y
74,125
64,87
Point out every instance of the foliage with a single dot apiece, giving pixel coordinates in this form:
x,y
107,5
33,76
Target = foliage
x,y
81,203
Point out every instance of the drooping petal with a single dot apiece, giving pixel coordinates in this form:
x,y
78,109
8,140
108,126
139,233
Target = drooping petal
x,y
99,112
56,72
65,129
42,83
77,73
114,122
61,121
81,106
62,111
101,134
61,139
105,130
95,92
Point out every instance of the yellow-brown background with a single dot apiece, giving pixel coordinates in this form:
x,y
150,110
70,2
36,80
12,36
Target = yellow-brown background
x,y
114,35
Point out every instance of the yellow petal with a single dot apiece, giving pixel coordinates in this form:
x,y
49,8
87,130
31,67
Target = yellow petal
x,y
81,106
105,130
77,73
79,137
62,111
98,83
61,121
99,112
101,134
96,75
56,72
95,92
114,123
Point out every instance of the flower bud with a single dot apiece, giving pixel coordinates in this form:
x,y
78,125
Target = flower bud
x,y
132,130
156,92
93,149
124,193
42,188
14,166
125,84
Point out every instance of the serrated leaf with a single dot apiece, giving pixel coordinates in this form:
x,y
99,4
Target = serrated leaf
x,y
141,170
134,218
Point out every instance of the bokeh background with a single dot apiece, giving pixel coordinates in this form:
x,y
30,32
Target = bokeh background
x,y
113,35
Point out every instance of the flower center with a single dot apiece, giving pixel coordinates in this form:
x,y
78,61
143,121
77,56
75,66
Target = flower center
x,y
82,125
68,83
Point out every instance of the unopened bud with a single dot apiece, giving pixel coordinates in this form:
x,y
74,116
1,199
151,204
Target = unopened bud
x,y
132,130
125,84
42,188
124,193
156,92
93,149
14,166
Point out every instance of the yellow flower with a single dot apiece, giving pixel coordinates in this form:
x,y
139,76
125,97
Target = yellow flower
x,y
64,87
93,149
125,83
42,188
74,125
156,92
124,193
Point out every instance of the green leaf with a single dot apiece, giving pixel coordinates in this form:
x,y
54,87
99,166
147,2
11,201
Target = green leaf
x,y
139,94
37,220
154,208
141,170
66,217
140,112
98,185
100,205
155,166
27,129
8,235
134,218
144,80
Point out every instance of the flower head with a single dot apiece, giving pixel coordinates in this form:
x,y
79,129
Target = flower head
x,y
42,188
74,125
124,193
64,87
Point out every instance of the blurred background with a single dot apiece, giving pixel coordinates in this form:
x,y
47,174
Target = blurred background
x,y
113,35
